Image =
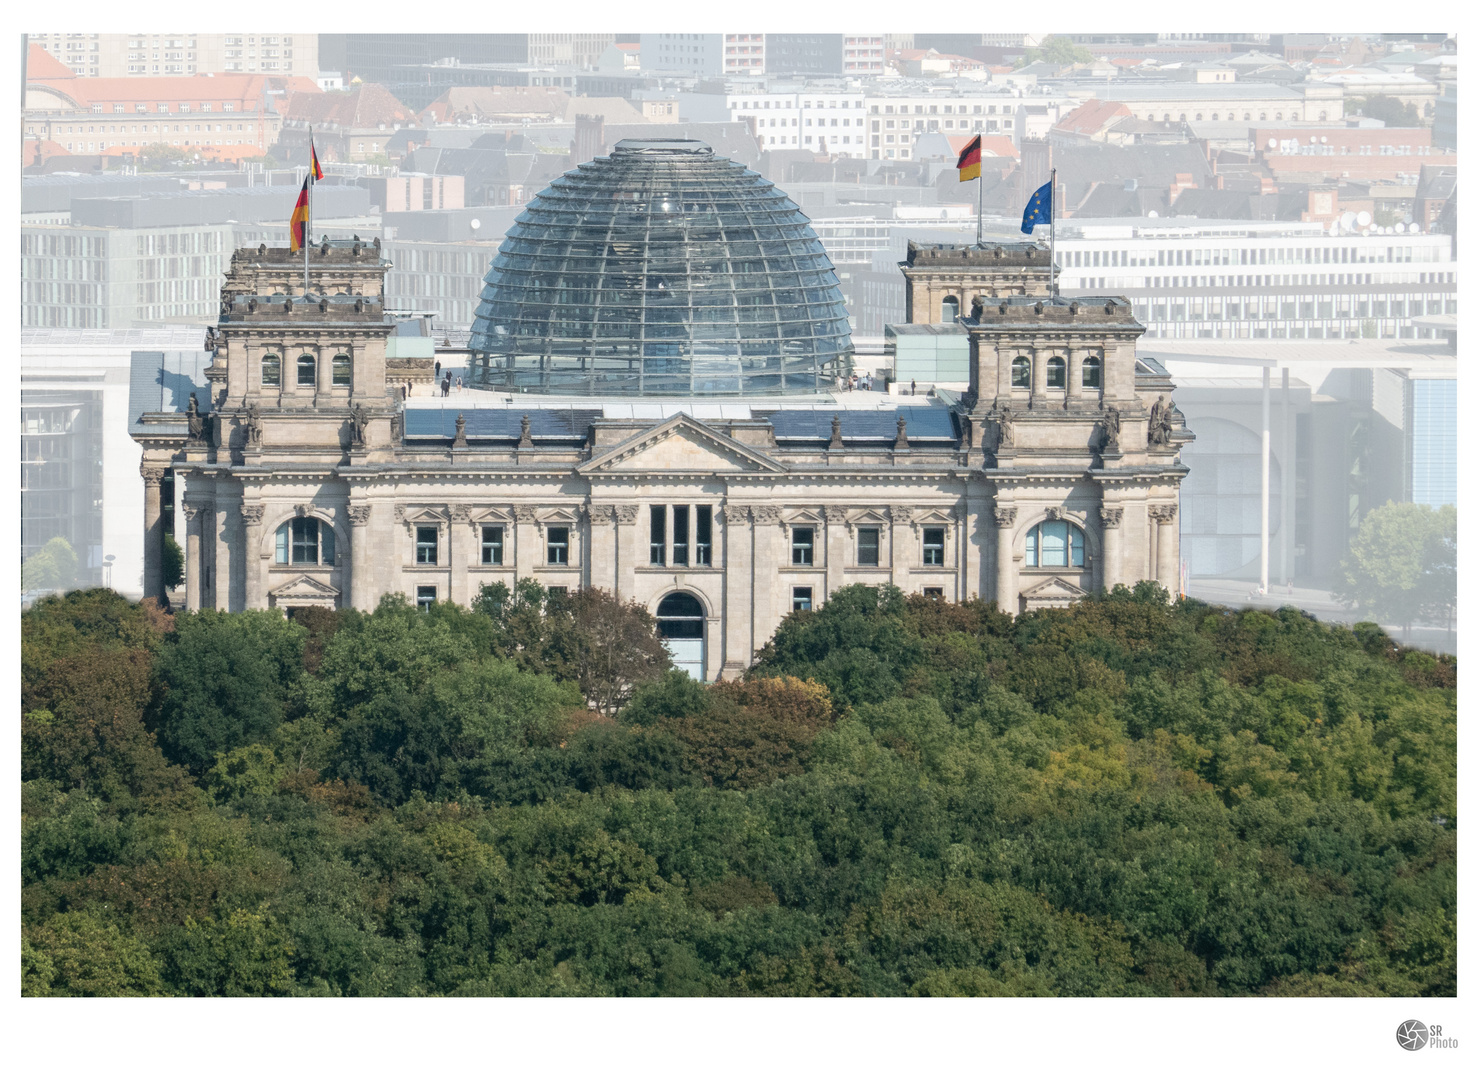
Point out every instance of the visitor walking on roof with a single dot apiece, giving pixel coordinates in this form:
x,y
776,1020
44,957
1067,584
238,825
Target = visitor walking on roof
x,y
913,387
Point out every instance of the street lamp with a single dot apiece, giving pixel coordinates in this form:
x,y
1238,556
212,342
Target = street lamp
x,y
108,571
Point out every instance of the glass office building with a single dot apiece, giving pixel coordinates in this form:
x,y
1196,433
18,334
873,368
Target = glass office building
x,y
1434,442
661,270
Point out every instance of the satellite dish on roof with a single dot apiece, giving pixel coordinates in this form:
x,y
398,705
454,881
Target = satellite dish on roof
x,y
1363,218
1400,227
1154,213
1347,221
1413,228
1272,144
476,224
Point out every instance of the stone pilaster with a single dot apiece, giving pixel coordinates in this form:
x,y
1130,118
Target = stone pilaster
x,y
900,546
1006,598
361,562
460,547
1111,573
251,518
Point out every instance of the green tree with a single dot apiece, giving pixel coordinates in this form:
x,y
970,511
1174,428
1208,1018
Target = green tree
x,y
1056,49
52,566
1402,564
1393,111
224,681
171,564
76,954
245,771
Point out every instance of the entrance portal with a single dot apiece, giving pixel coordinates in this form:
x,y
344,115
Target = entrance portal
x,y
681,625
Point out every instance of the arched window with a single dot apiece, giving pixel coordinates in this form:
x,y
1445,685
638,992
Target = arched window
x,y
342,369
681,626
1277,116
1216,116
1056,373
1198,116
1323,114
271,370
1054,543
305,541
307,370
1092,373
1021,373
949,309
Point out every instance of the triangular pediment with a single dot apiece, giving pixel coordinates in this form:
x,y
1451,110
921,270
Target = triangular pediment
x,y
1054,592
682,445
304,588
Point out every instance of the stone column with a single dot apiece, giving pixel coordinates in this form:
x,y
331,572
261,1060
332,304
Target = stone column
x,y
361,566
1039,376
1166,548
900,549
601,555
1111,573
459,524
1006,598
974,583
1074,378
251,517
836,548
153,533
227,578
627,549
767,583
526,554
739,598
194,573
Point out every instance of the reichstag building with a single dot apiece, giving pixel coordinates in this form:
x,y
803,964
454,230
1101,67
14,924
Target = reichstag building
x,y
655,410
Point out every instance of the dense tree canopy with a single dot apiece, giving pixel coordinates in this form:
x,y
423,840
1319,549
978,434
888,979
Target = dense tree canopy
x,y
1402,564
903,797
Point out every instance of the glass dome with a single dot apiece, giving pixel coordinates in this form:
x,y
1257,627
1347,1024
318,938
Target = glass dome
x,y
661,270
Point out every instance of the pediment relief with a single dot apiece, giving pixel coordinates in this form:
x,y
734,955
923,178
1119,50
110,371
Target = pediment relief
x,y
304,588
681,445
1054,592
934,515
423,515
490,515
869,517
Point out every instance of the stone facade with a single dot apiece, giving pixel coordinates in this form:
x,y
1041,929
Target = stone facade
x,y
1045,483
937,273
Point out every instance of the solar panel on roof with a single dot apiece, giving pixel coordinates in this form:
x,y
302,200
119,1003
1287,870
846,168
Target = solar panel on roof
x,y
924,422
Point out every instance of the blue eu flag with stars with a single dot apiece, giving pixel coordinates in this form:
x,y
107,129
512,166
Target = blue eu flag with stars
x,y
1038,209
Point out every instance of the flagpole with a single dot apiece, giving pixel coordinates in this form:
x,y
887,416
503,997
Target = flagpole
x,y
308,221
1052,232
980,210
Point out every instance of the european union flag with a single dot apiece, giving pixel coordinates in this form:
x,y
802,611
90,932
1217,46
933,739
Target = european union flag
x,y
1038,209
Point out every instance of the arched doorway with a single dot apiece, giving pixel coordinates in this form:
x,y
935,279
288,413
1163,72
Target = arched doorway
x,y
680,624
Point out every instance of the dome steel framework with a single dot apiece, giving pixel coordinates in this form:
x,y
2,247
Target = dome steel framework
x,y
661,270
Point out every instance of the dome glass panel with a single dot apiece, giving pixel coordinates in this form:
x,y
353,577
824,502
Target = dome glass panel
x,y
661,270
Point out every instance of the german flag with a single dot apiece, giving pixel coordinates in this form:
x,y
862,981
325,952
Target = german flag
x,y
298,226
969,163
314,169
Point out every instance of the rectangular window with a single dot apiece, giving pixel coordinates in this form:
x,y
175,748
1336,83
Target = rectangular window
x,y
492,545
342,369
704,553
307,370
426,544
559,546
933,547
934,592
425,596
271,371
802,547
867,547
305,541
679,536
800,598
658,555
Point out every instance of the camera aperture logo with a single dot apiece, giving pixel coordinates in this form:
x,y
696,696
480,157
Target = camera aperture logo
x,y
1415,1035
